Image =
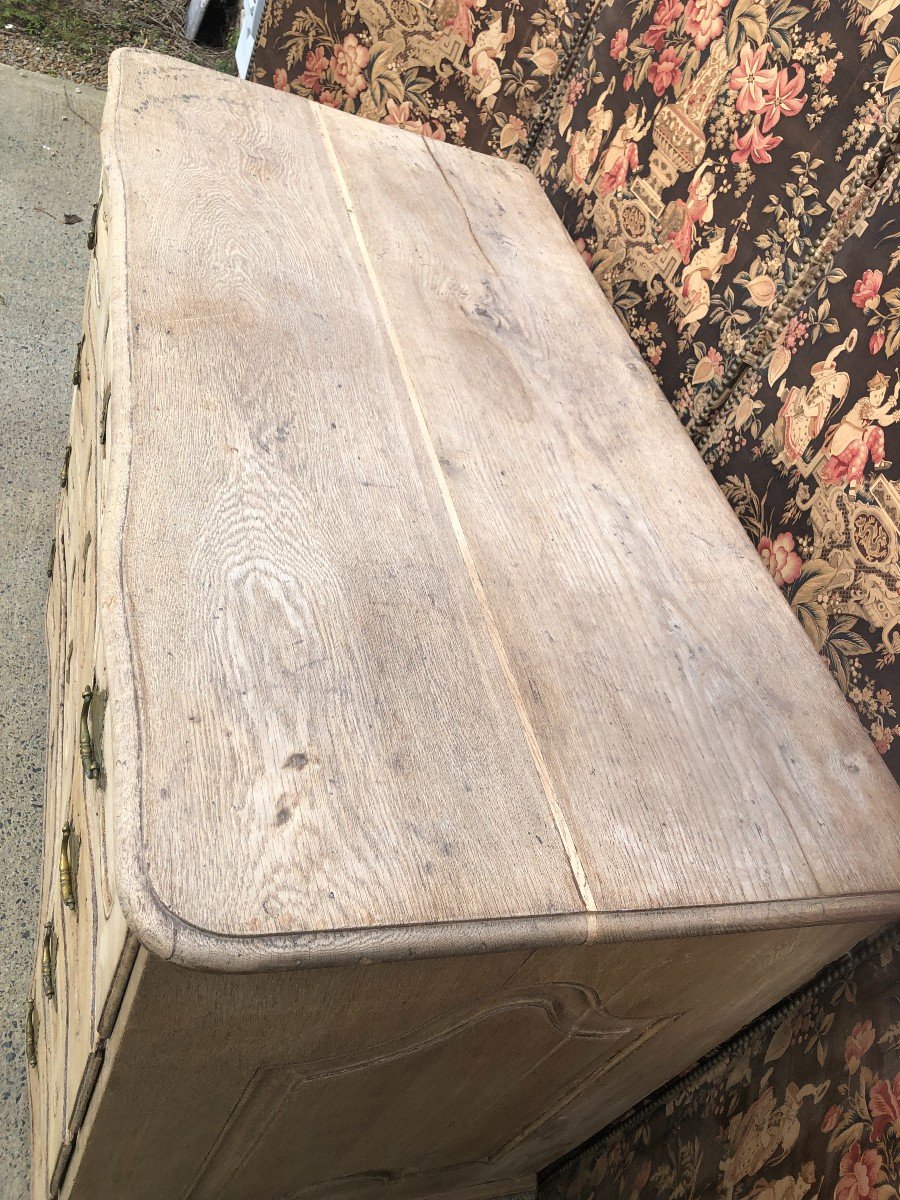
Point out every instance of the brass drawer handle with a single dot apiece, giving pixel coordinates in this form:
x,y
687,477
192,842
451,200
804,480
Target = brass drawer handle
x,y
64,473
104,413
31,1034
76,373
47,962
66,876
85,745
92,232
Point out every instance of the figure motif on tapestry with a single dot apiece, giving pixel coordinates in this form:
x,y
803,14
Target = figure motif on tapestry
x,y
621,157
640,235
804,410
701,274
459,19
859,438
586,143
485,56
683,216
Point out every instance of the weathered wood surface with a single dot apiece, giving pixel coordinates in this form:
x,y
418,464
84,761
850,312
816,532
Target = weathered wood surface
x,y
90,949
408,1080
414,628
419,605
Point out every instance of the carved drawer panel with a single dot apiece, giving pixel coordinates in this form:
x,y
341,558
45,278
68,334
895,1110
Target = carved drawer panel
x,y
554,1041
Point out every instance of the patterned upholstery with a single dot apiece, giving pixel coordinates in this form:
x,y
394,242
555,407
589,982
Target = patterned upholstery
x,y
456,70
804,1104
728,169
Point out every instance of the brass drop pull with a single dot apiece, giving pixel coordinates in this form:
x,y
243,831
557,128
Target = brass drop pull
x,y
31,1034
66,878
85,745
47,962
64,473
104,413
92,232
76,373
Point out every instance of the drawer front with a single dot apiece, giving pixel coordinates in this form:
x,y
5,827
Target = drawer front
x,y
46,1008
46,1016
90,949
101,327
79,930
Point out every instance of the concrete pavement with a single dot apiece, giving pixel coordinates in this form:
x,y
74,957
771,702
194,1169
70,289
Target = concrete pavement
x,y
49,166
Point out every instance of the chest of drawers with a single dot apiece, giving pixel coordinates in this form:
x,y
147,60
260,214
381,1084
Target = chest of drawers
x,y
433,768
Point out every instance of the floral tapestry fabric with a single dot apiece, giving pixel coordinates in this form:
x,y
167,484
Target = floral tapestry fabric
x,y
805,1105
702,152
461,71
727,169
808,452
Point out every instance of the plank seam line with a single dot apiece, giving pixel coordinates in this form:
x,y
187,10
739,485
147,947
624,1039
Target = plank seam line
x,y
559,819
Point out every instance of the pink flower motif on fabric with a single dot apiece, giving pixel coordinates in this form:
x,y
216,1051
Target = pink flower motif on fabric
x,y
782,97
859,1174
401,115
316,64
830,1120
866,291
667,13
779,555
755,145
618,44
347,66
666,72
884,1107
751,79
859,1041
704,22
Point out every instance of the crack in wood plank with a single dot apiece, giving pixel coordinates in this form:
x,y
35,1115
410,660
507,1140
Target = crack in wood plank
x,y
559,819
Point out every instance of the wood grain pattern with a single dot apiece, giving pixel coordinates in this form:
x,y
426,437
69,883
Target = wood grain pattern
x,y
341,715
45,1077
320,1085
643,631
404,646
463,630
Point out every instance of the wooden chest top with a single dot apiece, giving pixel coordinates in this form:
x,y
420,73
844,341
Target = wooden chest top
x,y
422,615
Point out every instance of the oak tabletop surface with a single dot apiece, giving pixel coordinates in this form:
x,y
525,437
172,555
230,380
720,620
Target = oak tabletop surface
x,y
420,606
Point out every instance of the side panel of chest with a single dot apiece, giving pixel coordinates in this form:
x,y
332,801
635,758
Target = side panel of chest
x,y
410,1080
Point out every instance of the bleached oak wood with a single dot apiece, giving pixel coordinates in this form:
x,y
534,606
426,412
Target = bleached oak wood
x,y
417,631
451,578
320,1085
91,951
